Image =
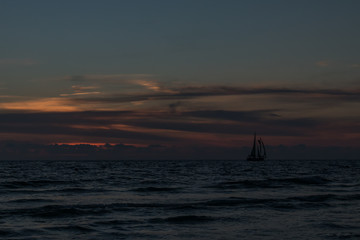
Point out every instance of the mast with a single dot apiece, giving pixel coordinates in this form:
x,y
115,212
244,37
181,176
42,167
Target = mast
x,y
260,148
263,146
253,151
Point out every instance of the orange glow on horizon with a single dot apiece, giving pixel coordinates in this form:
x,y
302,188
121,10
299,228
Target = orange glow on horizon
x,y
100,144
82,143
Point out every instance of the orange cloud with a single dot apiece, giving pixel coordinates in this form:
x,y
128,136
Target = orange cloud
x,y
43,104
78,88
323,63
154,86
79,93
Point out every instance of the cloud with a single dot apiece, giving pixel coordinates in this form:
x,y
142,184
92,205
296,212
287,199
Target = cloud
x,y
98,118
196,92
79,94
149,85
86,124
78,88
209,127
154,86
120,81
81,90
198,115
208,97
243,116
108,78
131,88
42,104
228,122
323,63
208,121
174,106
18,62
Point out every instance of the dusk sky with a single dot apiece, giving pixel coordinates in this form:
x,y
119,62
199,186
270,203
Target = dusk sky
x,y
184,74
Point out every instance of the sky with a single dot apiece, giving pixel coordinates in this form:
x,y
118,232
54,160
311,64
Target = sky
x,y
185,74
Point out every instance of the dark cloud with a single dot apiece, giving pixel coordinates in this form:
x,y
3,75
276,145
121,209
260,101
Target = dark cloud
x,y
52,129
173,106
260,117
97,126
65,123
241,122
225,90
242,116
100,123
61,118
195,92
160,127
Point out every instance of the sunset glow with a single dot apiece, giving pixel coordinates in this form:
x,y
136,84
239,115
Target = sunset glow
x,y
181,83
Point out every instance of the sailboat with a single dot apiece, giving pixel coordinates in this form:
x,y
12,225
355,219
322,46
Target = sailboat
x,y
258,152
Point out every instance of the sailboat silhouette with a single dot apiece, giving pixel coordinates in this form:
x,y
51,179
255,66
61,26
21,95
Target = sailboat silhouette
x,y
258,152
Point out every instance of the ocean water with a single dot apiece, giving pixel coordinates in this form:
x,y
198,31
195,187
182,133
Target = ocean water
x,y
180,199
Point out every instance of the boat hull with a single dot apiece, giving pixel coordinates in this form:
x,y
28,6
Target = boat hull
x,y
255,159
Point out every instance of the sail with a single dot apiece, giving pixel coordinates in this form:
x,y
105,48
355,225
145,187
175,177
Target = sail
x,y
259,148
253,151
258,151
263,146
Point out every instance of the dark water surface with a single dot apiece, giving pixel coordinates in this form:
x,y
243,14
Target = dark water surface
x,y
180,200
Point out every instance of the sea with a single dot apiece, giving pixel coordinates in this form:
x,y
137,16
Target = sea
x,y
223,199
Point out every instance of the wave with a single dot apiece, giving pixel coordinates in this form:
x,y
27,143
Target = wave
x,y
118,222
184,219
54,190
79,190
348,197
326,197
63,211
31,200
74,228
33,183
156,189
20,233
58,211
293,202
311,180
338,226
272,182
313,198
236,202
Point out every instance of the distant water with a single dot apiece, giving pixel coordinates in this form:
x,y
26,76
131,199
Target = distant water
x,y
180,200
